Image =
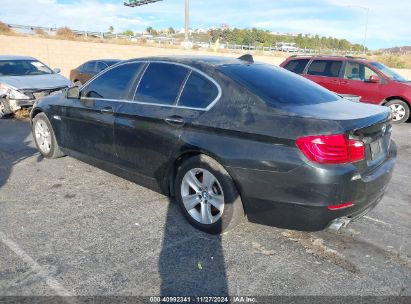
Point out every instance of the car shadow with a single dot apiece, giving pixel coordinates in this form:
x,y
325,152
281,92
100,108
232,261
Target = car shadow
x,y
15,145
191,262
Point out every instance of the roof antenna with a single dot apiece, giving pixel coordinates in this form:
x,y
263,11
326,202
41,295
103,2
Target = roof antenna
x,y
247,57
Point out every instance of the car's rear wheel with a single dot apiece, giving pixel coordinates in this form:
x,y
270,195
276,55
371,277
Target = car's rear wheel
x,y
207,195
400,110
44,137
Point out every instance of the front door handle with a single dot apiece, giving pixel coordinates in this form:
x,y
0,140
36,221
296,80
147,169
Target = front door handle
x,y
107,110
175,121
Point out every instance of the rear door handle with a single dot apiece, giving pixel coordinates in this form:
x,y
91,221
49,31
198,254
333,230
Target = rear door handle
x,y
107,110
175,121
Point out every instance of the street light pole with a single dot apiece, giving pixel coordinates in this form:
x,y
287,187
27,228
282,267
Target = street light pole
x,y
367,11
366,26
186,19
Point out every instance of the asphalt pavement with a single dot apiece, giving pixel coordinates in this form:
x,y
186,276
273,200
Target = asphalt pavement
x,y
67,228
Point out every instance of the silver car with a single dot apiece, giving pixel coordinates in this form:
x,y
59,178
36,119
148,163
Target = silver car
x,y
23,80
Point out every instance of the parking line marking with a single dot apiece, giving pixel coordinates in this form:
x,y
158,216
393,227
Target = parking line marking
x,y
57,288
376,220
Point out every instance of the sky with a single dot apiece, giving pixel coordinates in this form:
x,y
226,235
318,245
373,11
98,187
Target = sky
x,y
388,21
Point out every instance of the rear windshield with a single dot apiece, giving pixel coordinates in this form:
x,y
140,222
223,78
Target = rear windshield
x,y
277,85
23,68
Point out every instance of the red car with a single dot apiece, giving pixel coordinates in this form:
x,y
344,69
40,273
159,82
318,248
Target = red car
x,y
372,81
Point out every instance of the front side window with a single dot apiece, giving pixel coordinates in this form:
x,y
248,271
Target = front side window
x,y
388,72
297,66
199,92
161,83
113,84
23,68
358,71
327,68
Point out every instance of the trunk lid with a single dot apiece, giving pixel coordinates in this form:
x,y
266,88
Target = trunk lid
x,y
370,124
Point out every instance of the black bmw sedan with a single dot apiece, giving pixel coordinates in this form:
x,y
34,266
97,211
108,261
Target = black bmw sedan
x,y
228,139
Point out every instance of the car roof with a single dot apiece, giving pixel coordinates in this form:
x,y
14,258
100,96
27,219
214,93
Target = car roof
x,y
105,60
328,57
13,57
194,61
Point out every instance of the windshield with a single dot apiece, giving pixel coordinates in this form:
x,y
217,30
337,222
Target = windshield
x,y
23,68
277,85
388,72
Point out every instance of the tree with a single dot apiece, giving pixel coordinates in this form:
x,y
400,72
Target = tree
x,y
111,29
171,30
149,29
128,33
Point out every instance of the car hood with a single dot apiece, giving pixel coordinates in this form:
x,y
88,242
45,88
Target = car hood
x,y
48,81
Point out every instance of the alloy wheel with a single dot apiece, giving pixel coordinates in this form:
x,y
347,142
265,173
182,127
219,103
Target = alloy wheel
x,y
43,136
398,111
3,111
202,196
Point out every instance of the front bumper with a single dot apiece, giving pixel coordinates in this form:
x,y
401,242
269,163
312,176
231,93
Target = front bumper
x,y
299,199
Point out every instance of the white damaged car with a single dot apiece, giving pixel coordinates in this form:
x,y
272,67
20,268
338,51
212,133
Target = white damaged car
x,y
23,80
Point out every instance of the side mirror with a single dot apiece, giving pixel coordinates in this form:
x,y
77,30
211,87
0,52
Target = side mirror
x,y
374,79
57,70
73,93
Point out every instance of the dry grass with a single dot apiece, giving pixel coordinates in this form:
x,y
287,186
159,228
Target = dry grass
x,y
41,33
65,33
22,114
394,61
5,30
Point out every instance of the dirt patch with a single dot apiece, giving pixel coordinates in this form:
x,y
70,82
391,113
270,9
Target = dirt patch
x,y
22,114
315,246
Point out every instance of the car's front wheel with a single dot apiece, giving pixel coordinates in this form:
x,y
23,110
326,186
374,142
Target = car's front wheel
x,y
44,137
4,108
207,195
400,110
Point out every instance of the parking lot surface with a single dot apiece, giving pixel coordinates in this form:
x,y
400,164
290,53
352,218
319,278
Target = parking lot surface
x,y
67,228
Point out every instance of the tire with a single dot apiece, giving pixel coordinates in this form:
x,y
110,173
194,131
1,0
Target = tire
x,y
218,198
44,137
4,108
400,110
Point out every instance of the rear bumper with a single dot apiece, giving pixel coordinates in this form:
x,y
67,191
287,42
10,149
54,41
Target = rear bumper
x,y
299,199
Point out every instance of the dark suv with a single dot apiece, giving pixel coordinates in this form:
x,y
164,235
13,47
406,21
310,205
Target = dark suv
x,y
372,81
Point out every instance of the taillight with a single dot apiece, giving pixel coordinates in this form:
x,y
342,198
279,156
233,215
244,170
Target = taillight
x,y
340,206
331,149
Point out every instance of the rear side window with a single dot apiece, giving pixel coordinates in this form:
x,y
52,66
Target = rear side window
x,y
297,66
161,83
199,92
113,84
276,85
89,66
328,68
101,66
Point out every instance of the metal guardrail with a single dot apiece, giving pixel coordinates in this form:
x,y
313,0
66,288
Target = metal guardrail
x,y
173,41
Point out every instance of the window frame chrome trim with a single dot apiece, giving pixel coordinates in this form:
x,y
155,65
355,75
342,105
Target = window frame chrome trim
x,y
190,68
